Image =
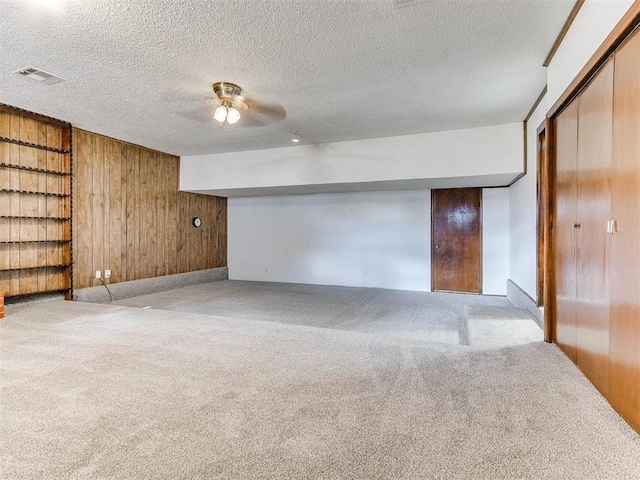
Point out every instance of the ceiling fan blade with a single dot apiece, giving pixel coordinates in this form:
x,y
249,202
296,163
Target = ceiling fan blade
x,y
200,115
181,96
262,114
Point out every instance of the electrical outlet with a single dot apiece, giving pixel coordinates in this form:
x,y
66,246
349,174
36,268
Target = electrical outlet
x,y
98,274
107,274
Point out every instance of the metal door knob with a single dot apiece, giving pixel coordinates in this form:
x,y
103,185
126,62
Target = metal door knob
x,y
577,225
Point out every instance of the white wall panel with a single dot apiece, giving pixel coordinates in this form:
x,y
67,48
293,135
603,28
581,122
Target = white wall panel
x,y
376,239
495,240
523,214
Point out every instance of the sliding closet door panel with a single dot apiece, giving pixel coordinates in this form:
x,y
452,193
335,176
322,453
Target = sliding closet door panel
x,y
566,130
595,125
624,346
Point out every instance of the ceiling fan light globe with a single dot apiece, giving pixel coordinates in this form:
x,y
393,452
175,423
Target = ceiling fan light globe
x,y
233,116
221,114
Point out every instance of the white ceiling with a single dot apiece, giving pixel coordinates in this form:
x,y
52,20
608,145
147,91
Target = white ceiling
x,y
142,70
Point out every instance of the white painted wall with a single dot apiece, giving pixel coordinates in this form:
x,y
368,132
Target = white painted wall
x,y
594,22
523,214
486,152
495,240
363,239
379,239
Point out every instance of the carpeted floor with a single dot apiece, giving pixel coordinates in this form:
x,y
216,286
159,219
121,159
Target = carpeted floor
x,y
104,391
435,317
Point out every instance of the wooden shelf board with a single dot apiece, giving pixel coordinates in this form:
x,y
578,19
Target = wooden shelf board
x,y
31,192
33,145
34,218
17,242
34,169
63,265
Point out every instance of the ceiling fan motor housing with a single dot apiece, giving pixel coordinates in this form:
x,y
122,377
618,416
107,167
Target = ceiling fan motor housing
x,y
230,95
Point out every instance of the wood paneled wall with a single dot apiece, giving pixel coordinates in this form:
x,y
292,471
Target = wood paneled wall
x,y
34,203
130,218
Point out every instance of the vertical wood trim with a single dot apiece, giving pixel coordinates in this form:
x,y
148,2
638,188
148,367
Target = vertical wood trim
x,y
124,162
106,207
115,201
97,207
163,252
138,198
563,32
172,216
222,231
548,215
541,193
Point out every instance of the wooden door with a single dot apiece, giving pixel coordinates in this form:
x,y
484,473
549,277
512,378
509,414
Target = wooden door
x,y
595,124
564,327
456,240
624,333
541,202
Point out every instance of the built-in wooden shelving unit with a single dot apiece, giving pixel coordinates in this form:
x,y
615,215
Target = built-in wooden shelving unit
x,y
35,203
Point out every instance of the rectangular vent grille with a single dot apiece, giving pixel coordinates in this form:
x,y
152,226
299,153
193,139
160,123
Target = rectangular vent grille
x,y
39,75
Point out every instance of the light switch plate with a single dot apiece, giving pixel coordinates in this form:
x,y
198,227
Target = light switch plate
x,y
107,274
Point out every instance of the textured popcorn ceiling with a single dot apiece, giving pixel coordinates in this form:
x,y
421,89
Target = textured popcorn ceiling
x,y
141,71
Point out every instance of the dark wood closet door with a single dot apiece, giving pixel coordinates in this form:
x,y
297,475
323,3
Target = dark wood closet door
x,y
456,243
624,335
564,328
595,125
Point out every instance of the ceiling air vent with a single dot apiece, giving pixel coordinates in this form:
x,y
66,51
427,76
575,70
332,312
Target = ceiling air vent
x,y
39,75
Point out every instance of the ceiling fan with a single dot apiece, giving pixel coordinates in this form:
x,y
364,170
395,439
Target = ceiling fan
x,y
230,104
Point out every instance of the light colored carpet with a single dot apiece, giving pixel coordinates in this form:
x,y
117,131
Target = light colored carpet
x,y
435,317
112,392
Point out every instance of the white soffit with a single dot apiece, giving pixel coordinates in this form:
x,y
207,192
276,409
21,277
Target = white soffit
x,y
496,180
141,70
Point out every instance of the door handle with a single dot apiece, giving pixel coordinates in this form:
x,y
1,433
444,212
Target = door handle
x,y
577,225
437,247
